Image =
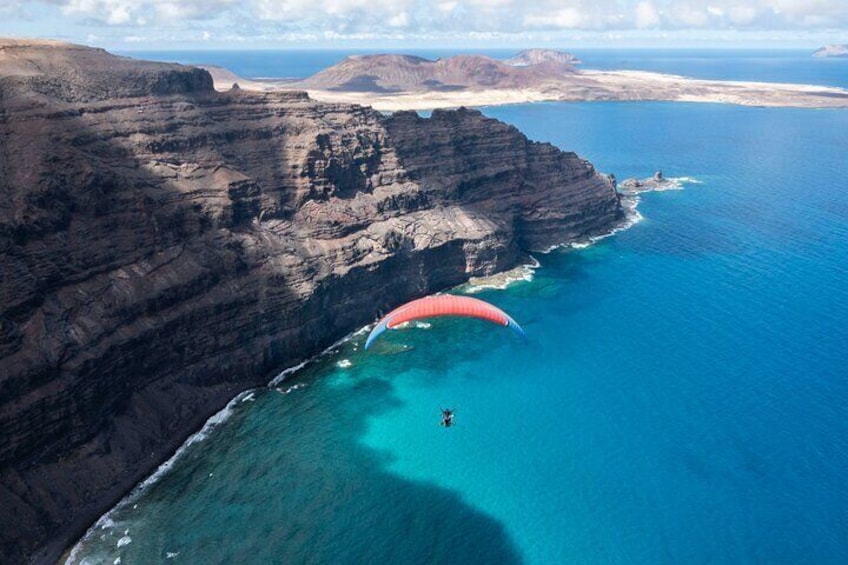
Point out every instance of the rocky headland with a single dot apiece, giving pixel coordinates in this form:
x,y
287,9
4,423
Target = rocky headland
x,y
404,82
657,183
164,246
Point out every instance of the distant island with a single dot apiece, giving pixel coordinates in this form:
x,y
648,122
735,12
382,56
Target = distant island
x,y
404,82
835,50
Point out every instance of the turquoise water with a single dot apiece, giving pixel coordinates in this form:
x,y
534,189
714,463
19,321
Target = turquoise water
x,y
682,397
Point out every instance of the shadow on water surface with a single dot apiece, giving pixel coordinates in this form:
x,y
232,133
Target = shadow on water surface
x,y
288,479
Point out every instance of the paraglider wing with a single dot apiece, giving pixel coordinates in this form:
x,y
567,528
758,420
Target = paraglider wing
x,y
443,305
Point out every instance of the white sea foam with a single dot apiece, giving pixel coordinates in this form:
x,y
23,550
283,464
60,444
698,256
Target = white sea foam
x,y
249,398
332,349
630,204
212,423
72,556
171,554
631,217
687,180
344,364
501,281
650,185
284,374
105,523
423,325
292,388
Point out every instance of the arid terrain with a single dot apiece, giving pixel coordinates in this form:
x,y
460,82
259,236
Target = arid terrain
x,y
402,82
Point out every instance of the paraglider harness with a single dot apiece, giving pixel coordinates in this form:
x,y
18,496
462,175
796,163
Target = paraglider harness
x,y
447,417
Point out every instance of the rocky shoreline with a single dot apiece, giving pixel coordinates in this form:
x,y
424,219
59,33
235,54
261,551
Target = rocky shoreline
x,y
166,246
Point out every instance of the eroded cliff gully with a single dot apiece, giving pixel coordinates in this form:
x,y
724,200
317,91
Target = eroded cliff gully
x,y
164,246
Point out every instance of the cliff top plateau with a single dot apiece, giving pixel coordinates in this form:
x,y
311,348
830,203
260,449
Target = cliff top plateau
x,y
74,73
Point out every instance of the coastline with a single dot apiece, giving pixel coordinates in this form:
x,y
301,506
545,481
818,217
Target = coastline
x,y
498,281
585,86
217,419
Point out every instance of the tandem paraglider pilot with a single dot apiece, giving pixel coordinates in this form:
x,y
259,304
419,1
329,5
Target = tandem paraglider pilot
x,y
447,417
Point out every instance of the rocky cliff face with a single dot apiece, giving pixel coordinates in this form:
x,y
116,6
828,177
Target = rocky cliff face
x,y
164,246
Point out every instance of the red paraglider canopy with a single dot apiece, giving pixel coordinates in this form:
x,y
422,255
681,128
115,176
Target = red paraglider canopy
x,y
443,305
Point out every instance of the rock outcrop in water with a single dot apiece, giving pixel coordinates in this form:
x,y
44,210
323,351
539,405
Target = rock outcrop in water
x,y
164,246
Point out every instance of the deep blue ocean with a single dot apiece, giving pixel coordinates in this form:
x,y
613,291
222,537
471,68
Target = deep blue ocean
x,y
683,397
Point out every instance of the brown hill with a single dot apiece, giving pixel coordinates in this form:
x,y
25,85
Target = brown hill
x,y
405,73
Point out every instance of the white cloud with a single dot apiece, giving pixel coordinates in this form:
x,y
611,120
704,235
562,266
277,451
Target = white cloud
x,y
505,16
399,20
742,15
427,19
446,7
691,16
143,12
646,16
11,9
565,18
111,12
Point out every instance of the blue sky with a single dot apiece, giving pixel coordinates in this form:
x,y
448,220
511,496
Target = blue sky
x,y
253,24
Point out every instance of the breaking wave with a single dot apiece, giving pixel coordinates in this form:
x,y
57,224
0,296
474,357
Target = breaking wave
x,y
630,203
501,281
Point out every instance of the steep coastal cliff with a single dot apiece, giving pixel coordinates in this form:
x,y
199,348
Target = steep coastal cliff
x,y
164,246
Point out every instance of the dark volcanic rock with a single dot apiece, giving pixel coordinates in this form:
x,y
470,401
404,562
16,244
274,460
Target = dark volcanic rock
x,y
656,183
540,195
164,246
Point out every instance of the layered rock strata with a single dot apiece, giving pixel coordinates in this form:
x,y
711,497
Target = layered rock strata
x,y
164,246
